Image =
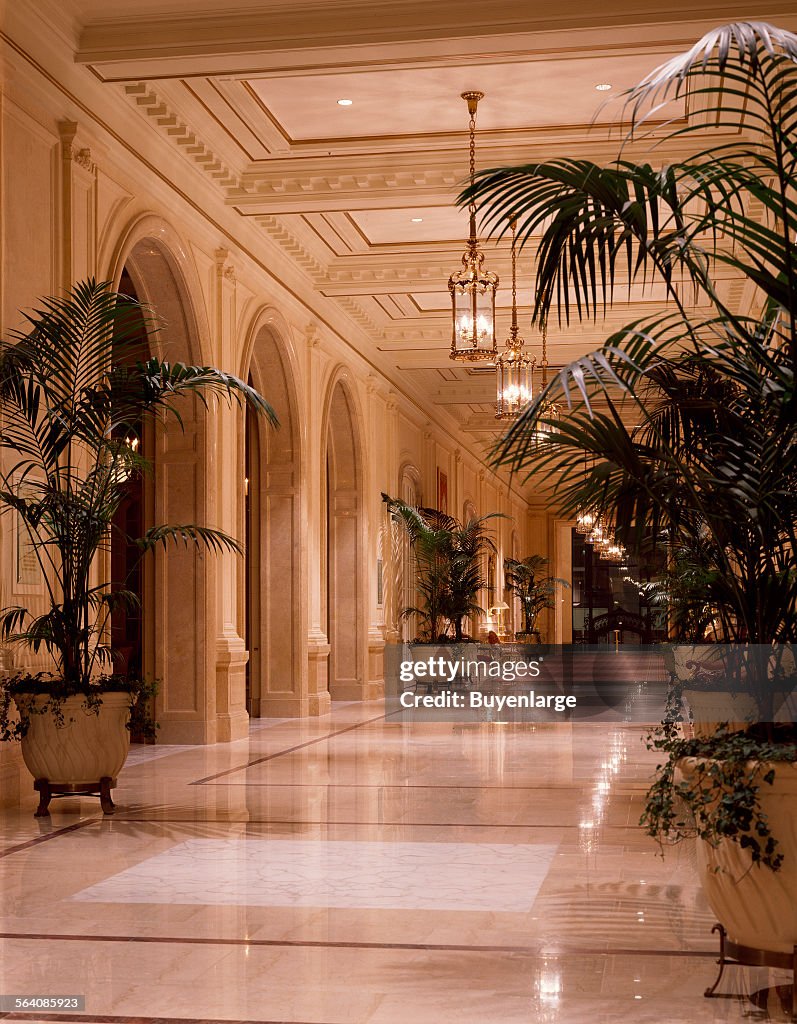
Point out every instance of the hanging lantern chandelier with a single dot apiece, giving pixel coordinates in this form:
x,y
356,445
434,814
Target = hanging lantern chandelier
x,y
514,368
473,288
602,538
586,516
585,521
598,534
549,410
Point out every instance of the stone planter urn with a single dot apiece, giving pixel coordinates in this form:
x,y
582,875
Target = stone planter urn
x,y
711,705
82,756
755,906
709,708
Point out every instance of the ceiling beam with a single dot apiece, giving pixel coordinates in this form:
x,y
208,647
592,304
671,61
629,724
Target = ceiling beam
x,y
304,37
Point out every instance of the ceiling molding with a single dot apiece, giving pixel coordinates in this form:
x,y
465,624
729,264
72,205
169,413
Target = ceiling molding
x,y
181,135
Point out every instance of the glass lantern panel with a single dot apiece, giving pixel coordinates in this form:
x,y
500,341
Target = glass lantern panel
x,y
515,388
473,316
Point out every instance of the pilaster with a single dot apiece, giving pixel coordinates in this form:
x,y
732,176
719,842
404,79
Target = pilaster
x,y
232,720
318,647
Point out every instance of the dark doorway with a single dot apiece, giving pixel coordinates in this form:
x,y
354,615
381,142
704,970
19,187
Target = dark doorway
x,y
252,547
610,601
127,622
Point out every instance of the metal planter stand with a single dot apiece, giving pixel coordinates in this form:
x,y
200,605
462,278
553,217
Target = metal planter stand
x,y
731,953
47,790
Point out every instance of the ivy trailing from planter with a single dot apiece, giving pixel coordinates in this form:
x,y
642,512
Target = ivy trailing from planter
x,y
720,797
56,692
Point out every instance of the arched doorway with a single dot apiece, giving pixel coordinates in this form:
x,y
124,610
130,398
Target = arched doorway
x,y
178,620
133,517
344,549
277,684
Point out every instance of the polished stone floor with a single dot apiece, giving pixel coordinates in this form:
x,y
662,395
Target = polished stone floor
x,y
354,870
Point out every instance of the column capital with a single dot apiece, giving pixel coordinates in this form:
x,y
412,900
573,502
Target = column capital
x,y
311,336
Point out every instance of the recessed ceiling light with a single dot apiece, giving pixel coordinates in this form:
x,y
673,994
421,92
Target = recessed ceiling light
x,y
417,220
601,87
345,103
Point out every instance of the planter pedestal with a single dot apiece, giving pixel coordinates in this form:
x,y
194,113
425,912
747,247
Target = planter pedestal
x,y
731,953
47,790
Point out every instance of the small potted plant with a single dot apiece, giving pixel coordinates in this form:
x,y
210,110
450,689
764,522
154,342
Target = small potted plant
x,y
527,579
74,400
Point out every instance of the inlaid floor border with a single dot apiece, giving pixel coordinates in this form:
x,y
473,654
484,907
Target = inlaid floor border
x,y
373,824
106,1018
399,785
533,952
289,750
38,840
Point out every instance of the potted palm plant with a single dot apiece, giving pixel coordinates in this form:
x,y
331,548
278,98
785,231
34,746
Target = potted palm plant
x,y
535,589
448,566
75,400
710,392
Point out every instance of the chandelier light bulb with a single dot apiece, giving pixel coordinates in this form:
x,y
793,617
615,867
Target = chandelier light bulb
x,y
514,369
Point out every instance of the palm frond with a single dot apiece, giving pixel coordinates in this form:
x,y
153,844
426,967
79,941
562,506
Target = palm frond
x,y
187,534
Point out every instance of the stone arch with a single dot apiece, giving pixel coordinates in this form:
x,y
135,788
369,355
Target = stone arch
x,y
179,619
274,580
409,483
409,490
469,512
511,598
343,544
157,259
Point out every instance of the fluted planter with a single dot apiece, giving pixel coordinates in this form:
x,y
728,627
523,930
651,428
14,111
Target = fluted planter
x,y
711,708
754,904
91,746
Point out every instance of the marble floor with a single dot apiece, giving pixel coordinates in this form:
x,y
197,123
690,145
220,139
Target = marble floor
x,y
356,870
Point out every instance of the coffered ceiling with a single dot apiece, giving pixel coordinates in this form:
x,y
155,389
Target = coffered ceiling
x,y
361,197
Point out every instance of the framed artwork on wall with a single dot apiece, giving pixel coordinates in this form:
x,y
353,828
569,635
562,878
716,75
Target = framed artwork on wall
x,y
442,491
27,574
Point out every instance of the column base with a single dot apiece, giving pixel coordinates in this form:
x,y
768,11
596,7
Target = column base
x,y
192,732
11,774
356,689
232,719
288,705
319,699
232,727
375,686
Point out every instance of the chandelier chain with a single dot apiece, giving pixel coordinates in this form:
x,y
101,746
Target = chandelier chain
x,y
472,99
472,129
514,278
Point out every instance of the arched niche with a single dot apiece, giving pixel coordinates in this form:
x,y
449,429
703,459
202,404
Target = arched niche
x,y
344,599
409,490
275,583
179,613
474,622
510,597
